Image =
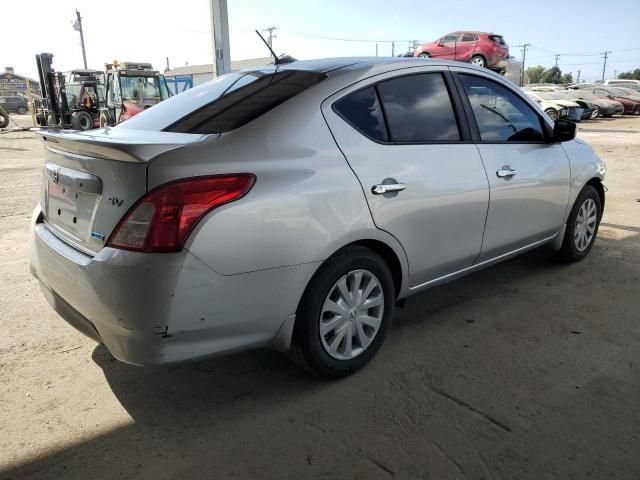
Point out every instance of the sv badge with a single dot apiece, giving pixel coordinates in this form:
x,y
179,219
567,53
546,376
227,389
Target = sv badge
x,y
115,201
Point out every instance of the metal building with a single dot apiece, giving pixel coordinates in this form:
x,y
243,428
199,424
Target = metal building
x,y
16,85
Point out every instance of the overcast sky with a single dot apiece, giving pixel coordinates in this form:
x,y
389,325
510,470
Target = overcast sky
x,y
151,31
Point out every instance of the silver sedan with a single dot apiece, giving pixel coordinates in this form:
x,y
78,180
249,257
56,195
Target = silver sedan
x,y
293,206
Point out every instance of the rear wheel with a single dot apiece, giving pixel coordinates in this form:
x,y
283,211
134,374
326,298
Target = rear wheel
x,y
478,60
552,114
424,55
81,120
582,225
344,313
22,110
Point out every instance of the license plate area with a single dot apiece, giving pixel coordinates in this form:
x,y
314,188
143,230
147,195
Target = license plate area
x,y
70,211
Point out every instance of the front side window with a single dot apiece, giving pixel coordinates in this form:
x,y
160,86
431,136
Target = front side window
x,y
501,115
449,39
418,109
362,110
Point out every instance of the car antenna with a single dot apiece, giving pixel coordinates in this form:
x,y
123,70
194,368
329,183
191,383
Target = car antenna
x,y
276,60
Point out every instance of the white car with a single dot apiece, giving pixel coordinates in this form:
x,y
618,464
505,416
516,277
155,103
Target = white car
x,y
554,109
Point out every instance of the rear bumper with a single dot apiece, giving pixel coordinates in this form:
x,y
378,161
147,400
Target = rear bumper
x,y
151,309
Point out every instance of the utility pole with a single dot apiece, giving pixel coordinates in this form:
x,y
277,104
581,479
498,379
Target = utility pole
x,y
578,79
604,67
615,74
376,49
220,36
524,56
272,35
557,57
393,49
78,27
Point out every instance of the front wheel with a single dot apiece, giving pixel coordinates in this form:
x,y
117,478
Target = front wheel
x,y
596,113
344,313
582,225
552,114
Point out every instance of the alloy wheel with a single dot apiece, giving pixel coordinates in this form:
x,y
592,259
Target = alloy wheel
x,y
351,314
479,61
585,225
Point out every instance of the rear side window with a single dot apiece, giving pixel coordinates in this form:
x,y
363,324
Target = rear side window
x,y
259,93
501,115
362,110
469,37
418,109
498,39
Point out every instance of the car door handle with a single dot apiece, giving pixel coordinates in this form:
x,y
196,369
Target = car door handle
x,y
506,172
382,188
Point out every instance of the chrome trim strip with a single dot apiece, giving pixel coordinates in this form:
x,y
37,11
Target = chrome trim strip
x,y
478,266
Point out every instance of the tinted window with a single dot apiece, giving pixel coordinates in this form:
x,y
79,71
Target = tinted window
x,y
501,115
469,37
235,108
362,110
418,109
449,39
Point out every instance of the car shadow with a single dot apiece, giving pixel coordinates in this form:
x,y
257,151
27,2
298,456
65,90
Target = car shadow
x,y
256,415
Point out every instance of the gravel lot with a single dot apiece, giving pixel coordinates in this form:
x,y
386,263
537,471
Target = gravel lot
x,y
527,370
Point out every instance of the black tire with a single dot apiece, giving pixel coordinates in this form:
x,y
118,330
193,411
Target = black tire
x,y
608,115
569,252
424,55
22,110
51,121
81,120
307,349
4,120
596,113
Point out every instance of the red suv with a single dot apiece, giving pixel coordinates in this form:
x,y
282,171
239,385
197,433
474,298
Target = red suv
x,y
483,49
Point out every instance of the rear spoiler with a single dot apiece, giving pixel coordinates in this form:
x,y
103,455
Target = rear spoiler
x,y
122,144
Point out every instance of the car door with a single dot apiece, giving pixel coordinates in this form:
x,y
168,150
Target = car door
x,y
529,178
446,47
466,47
421,175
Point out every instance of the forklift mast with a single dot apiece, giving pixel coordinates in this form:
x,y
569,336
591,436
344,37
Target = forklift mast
x,y
54,99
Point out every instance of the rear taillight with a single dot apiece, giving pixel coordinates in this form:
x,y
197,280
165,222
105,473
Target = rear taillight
x,y
162,220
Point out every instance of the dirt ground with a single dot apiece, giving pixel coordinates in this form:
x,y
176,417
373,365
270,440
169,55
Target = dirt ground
x,y
527,370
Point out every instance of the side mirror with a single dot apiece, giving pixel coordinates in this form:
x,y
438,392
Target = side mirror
x,y
563,131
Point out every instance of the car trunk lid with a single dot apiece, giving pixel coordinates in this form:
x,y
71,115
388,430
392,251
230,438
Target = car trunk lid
x,y
91,179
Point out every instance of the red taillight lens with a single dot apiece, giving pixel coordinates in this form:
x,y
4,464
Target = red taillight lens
x,y
162,220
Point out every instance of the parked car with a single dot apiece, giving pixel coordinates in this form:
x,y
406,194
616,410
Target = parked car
x,y
14,104
278,207
601,106
551,108
589,110
487,50
632,84
630,103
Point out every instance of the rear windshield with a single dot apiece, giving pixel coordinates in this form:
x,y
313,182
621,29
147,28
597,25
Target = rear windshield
x,y
226,103
498,39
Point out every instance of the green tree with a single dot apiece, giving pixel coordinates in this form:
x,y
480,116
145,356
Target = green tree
x,y
552,75
566,78
535,74
635,75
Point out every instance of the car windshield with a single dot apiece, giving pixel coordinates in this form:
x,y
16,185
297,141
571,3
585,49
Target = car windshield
x,y
618,92
140,88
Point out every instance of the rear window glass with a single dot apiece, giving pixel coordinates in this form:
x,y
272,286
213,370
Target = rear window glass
x,y
225,103
362,110
498,39
259,93
469,37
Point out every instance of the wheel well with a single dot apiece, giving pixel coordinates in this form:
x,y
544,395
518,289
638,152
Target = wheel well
x,y
597,184
389,256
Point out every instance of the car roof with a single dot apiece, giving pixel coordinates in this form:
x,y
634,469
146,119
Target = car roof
x,y
335,66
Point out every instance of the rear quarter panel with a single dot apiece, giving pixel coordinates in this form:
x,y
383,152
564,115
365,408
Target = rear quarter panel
x,y
306,202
